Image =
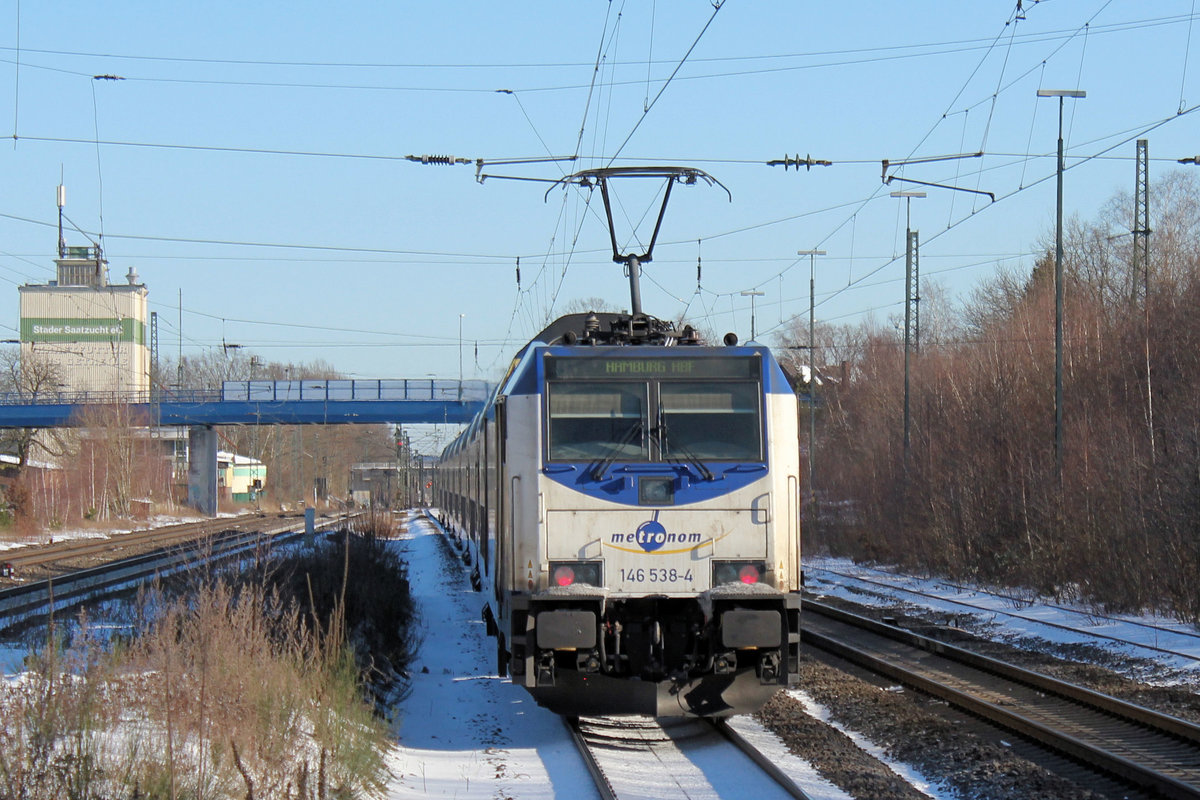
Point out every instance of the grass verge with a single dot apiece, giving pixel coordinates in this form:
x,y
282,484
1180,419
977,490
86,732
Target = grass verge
x,y
252,689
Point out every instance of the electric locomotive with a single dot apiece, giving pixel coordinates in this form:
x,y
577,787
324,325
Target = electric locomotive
x,y
628,503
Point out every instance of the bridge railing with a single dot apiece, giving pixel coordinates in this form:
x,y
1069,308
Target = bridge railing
x,y
91,398
333,390
273,391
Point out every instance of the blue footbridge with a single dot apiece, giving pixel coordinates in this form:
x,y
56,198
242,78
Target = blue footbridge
x,y
307,402
402,401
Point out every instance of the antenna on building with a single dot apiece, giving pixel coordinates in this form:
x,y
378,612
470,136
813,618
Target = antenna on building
x,y
62,201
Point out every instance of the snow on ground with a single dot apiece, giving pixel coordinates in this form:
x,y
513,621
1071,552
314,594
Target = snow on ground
x,y
463,732
12,658
65,534
906,772
1033,620
799,770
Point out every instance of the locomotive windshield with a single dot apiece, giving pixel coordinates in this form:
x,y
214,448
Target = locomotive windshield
x,y
590,420
709,421
654,409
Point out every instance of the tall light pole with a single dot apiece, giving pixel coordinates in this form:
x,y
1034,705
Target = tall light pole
x,y
460,370
1061,94
752,293
910,253
812,373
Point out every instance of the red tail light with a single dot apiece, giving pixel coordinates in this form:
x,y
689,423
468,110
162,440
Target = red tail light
x,y
746,572
570,573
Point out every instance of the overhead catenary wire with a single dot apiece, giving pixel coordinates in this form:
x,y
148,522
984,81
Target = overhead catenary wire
x,y
1142,127
540,65
863,203
486,160
1000,198
17,74
948,49
1187,51
578,255
717,6
1136,133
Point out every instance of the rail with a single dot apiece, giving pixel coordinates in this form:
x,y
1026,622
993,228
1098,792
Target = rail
x,y
644,757
1145,748
24,604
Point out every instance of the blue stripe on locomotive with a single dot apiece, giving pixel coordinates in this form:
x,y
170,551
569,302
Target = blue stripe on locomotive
x,y
529,375
619,482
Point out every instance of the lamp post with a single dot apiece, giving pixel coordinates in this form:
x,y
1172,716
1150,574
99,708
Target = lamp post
x,y
909,261
1061,94
460,371
751,293
812,372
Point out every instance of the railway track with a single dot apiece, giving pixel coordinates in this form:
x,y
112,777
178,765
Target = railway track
x,y
1148,750
637,758
1156,637
71,554
197,544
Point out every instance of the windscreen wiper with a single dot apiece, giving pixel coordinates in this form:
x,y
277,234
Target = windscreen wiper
x,y
691,458
634,431
694,460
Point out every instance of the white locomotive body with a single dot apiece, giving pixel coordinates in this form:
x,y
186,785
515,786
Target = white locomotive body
x,y
630,513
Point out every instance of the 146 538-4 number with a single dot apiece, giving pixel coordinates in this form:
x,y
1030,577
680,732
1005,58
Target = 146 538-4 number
x,y
656,575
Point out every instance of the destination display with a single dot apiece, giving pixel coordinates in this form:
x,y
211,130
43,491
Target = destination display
x,y
625,367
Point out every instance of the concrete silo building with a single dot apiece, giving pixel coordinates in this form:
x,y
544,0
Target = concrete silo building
x,y
94,333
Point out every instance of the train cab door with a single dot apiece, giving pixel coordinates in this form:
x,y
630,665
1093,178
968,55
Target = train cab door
x,y
500,573
485,528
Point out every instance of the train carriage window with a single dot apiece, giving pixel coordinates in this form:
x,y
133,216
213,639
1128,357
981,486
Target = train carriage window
x,y
592,419
718,420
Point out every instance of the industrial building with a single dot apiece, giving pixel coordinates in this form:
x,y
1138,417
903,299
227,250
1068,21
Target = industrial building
x,y
91,332
94,338
240,478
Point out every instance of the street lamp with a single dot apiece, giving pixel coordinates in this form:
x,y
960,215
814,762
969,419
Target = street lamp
x,y
1061,94
812,371
751,293
909,285
460,371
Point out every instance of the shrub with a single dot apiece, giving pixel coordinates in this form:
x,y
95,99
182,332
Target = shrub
x,y
236,689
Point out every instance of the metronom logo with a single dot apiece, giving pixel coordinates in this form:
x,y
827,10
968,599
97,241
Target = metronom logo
x,y
652,535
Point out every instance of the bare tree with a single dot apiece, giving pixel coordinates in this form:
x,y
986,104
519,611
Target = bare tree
x,y
115,462
978,496
582,305
29,377
297,457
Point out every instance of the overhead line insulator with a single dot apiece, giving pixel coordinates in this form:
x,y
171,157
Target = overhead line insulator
x,y
808,162
447,160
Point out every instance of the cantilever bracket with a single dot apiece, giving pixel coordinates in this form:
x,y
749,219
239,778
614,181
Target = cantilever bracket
x,y
888,180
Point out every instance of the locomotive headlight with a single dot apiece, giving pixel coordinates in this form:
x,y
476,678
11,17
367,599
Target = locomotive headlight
x,y
747,572
654,491
569,573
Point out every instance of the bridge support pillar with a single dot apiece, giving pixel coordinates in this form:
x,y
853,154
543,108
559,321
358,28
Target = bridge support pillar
x,y
202,469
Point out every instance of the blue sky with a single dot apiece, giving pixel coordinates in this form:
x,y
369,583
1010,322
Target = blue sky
x,y
252,157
